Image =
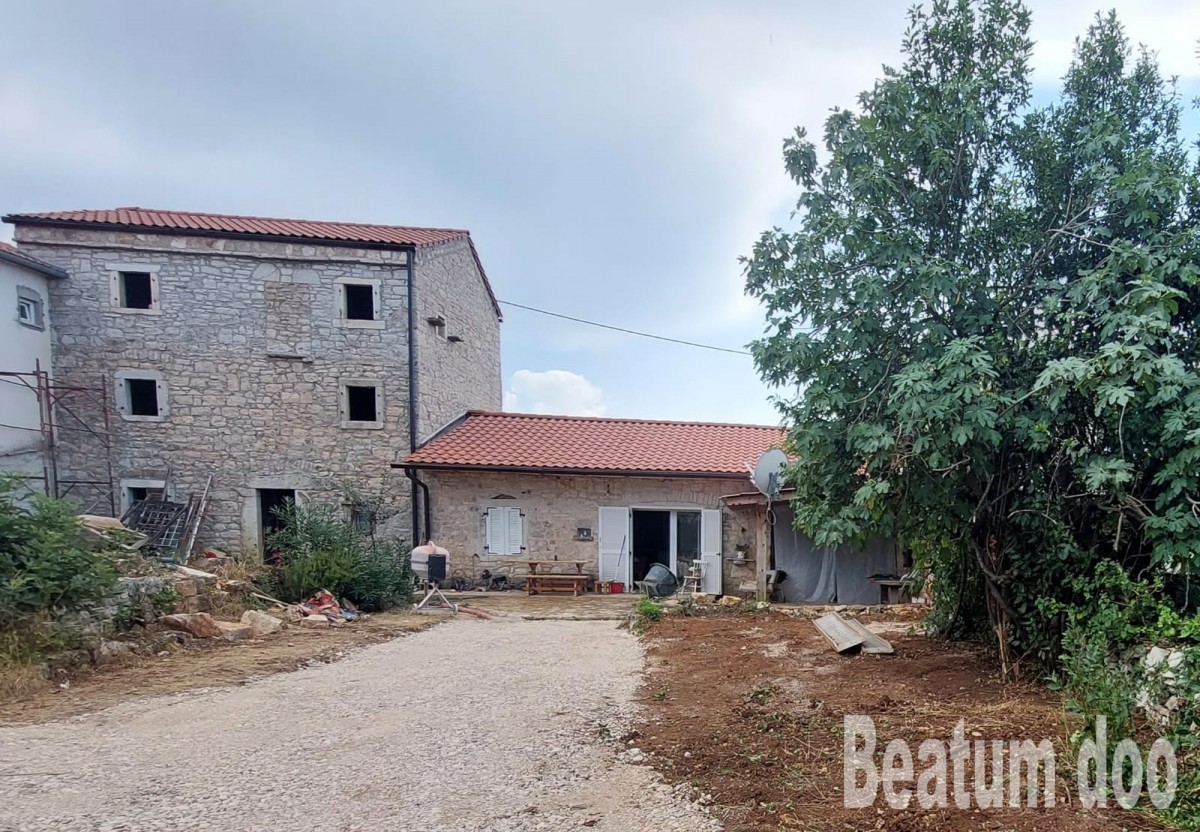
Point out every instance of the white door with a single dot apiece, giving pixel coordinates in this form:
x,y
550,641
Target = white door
x,y
615,561
710,551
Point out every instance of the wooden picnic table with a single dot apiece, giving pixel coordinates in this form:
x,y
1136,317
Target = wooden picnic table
x,y
537,581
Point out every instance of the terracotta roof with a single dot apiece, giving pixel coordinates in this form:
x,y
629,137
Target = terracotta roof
x,y
167,221
218,225
527,442
12,254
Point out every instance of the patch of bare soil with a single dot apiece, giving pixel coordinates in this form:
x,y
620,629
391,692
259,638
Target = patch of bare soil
x,y
205,663
748,708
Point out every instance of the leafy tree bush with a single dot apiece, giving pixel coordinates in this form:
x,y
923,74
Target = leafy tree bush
x,y
46,569
46,566
989,310
317,548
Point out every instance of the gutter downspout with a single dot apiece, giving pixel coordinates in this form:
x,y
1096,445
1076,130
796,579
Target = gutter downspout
x,y
413,391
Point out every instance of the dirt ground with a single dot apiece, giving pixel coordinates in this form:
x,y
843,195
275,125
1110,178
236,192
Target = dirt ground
x,y
748,708
205,663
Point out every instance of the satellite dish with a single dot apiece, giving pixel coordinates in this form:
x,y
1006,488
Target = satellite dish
x,y
767,475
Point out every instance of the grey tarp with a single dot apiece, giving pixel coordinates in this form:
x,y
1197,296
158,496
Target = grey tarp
x,y
827,575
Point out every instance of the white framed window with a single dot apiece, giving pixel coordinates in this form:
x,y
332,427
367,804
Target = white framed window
x,y
141,395
134,288
361,404
504,531
31,309
358,303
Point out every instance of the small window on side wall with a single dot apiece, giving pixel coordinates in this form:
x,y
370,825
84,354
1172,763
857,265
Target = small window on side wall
x,y
361,404
141,395
30,309
360,302
135,290
358,305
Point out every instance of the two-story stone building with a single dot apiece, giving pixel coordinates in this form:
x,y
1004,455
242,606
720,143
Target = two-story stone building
x,y
284,358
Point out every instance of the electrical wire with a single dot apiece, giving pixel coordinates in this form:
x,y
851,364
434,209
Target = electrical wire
x,y
623,329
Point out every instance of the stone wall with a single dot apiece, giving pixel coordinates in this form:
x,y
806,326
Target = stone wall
x,y
454,376
556,507
249,343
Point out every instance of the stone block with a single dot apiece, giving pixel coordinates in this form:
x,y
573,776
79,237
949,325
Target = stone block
x,y
260,623
200,624
234,630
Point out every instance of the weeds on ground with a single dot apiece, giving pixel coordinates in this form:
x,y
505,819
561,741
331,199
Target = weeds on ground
x,y
644,614
648,608
761,694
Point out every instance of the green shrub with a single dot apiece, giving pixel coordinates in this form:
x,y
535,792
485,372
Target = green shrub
x,y
317,548
649,609
46,569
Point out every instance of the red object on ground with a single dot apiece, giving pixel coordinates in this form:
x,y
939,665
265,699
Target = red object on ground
x,y
617,587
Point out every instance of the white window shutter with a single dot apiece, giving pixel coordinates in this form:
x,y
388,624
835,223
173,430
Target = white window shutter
x,y
516,537
496,532
710,550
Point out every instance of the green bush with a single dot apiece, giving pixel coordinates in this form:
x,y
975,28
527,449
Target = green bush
x,y
46,566
1107,629
317,548
46,569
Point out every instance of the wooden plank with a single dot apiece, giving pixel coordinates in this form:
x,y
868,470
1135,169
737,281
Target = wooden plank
x,y
872,641
762,555
840,635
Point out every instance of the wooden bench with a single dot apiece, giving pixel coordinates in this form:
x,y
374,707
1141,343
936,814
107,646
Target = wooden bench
x,y
552,582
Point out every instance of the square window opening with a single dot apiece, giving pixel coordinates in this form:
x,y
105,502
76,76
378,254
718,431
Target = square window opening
x,y
361,405
136,290
142,395
360,302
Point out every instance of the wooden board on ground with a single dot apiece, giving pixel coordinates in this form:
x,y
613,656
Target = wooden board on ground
x,y
838,632
872,641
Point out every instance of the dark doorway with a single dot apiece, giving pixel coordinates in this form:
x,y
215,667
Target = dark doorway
x,y
651,541
270,502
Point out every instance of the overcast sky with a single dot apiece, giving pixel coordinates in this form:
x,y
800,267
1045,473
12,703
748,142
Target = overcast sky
x,y
612,159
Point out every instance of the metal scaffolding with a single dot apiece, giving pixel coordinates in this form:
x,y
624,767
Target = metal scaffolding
x,y
69,408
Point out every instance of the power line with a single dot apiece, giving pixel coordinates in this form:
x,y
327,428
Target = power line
x,y
623,329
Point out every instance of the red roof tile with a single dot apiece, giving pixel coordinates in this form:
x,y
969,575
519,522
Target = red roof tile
x,y
524,441
165,221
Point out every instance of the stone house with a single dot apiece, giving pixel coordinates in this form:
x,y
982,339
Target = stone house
x,y
616,494
284,358
25,358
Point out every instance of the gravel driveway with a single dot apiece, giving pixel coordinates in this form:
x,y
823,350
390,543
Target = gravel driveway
x,y
470,725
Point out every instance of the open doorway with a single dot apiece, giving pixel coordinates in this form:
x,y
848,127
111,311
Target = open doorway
x,y
270,502
669,537
651,541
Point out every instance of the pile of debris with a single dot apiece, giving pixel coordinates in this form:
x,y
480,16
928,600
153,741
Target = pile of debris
x,y
323,609
169,528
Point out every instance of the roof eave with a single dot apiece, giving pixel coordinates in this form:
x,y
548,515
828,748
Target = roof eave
x,y
572,472
18,219
33,265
